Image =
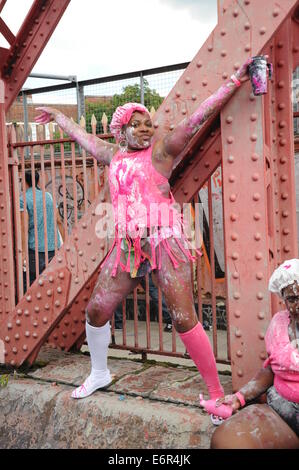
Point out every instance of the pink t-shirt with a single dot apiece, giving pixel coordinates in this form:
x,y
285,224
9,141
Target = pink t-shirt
x,y
283,357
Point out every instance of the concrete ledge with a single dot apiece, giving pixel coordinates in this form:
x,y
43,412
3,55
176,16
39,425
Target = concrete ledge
x,y
42,415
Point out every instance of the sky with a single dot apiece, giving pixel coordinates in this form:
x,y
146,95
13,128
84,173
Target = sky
x,y
98,38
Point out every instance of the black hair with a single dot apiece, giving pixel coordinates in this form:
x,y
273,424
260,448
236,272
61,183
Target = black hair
x,y
28,178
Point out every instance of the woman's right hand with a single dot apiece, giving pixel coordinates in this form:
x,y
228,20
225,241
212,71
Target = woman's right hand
x,y
46,115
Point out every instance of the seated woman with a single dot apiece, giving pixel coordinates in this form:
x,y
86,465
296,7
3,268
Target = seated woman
x,y
274,425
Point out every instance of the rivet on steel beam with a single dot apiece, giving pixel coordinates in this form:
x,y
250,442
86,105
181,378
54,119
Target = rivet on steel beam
x,y
187,80
283,160
237,65
67,248
47,307
49,292
17,336
261,335
287,249
247,26
281,106
26,313
229,119
284,178
234,237
19,312
59,259
224,75
280,44
231,159
210,48
238,333
194,97
263,30
286,231
285,214
36,309
51,279
256,197
59,290
239,353
7,339
35,335
25,347
57,303
253,117
240,372
255,177
282,142
236,275
74,332
235,255
184,111
237,313
284,195
27,334
232,178
259,276
35,324
199,64
223,53
233,217
14,350
253,137
45,320
38,295
93,258
204,83
171,127
233,197
195,178
230,139
223,32
76,281
247,48
178,93
257,216
261,315
236,13
28,298
257,236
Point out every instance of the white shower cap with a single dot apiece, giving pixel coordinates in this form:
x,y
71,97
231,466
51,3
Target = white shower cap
x,y
287,273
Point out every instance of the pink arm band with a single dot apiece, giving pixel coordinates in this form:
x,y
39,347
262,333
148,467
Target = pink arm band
x,y
235,80
241,398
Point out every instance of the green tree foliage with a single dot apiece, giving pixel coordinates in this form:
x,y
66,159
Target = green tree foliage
x,y
130,93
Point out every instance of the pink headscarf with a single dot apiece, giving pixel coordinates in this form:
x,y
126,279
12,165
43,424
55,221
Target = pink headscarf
x,y
122,116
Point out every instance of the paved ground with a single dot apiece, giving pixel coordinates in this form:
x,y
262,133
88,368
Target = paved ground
x,y
149,405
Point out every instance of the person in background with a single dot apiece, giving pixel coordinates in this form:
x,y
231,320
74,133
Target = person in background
x,y
275,424
29,214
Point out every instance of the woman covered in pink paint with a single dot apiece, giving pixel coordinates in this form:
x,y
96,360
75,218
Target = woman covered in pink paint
x,y
274,425
145,240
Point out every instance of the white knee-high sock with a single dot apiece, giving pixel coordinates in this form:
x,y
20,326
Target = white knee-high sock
x,y
98,339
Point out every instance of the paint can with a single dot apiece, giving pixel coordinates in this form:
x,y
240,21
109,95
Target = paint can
x,y
258,74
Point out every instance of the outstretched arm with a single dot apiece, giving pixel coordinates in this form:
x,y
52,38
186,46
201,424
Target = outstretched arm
x,y
175,141
98,148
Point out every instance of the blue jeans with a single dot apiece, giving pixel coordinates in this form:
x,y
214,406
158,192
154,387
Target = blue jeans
x,y
154,295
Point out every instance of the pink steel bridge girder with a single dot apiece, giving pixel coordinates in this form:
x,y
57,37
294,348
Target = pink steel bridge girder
x,y
7,292
27,46
242,31
259,203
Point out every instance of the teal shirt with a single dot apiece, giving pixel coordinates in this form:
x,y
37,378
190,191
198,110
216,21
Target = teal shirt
x,y
40,220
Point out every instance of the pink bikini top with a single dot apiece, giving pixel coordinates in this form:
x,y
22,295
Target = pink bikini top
x,y
137,189
283,357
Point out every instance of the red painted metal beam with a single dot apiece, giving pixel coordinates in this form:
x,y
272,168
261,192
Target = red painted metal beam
x,y
28,44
